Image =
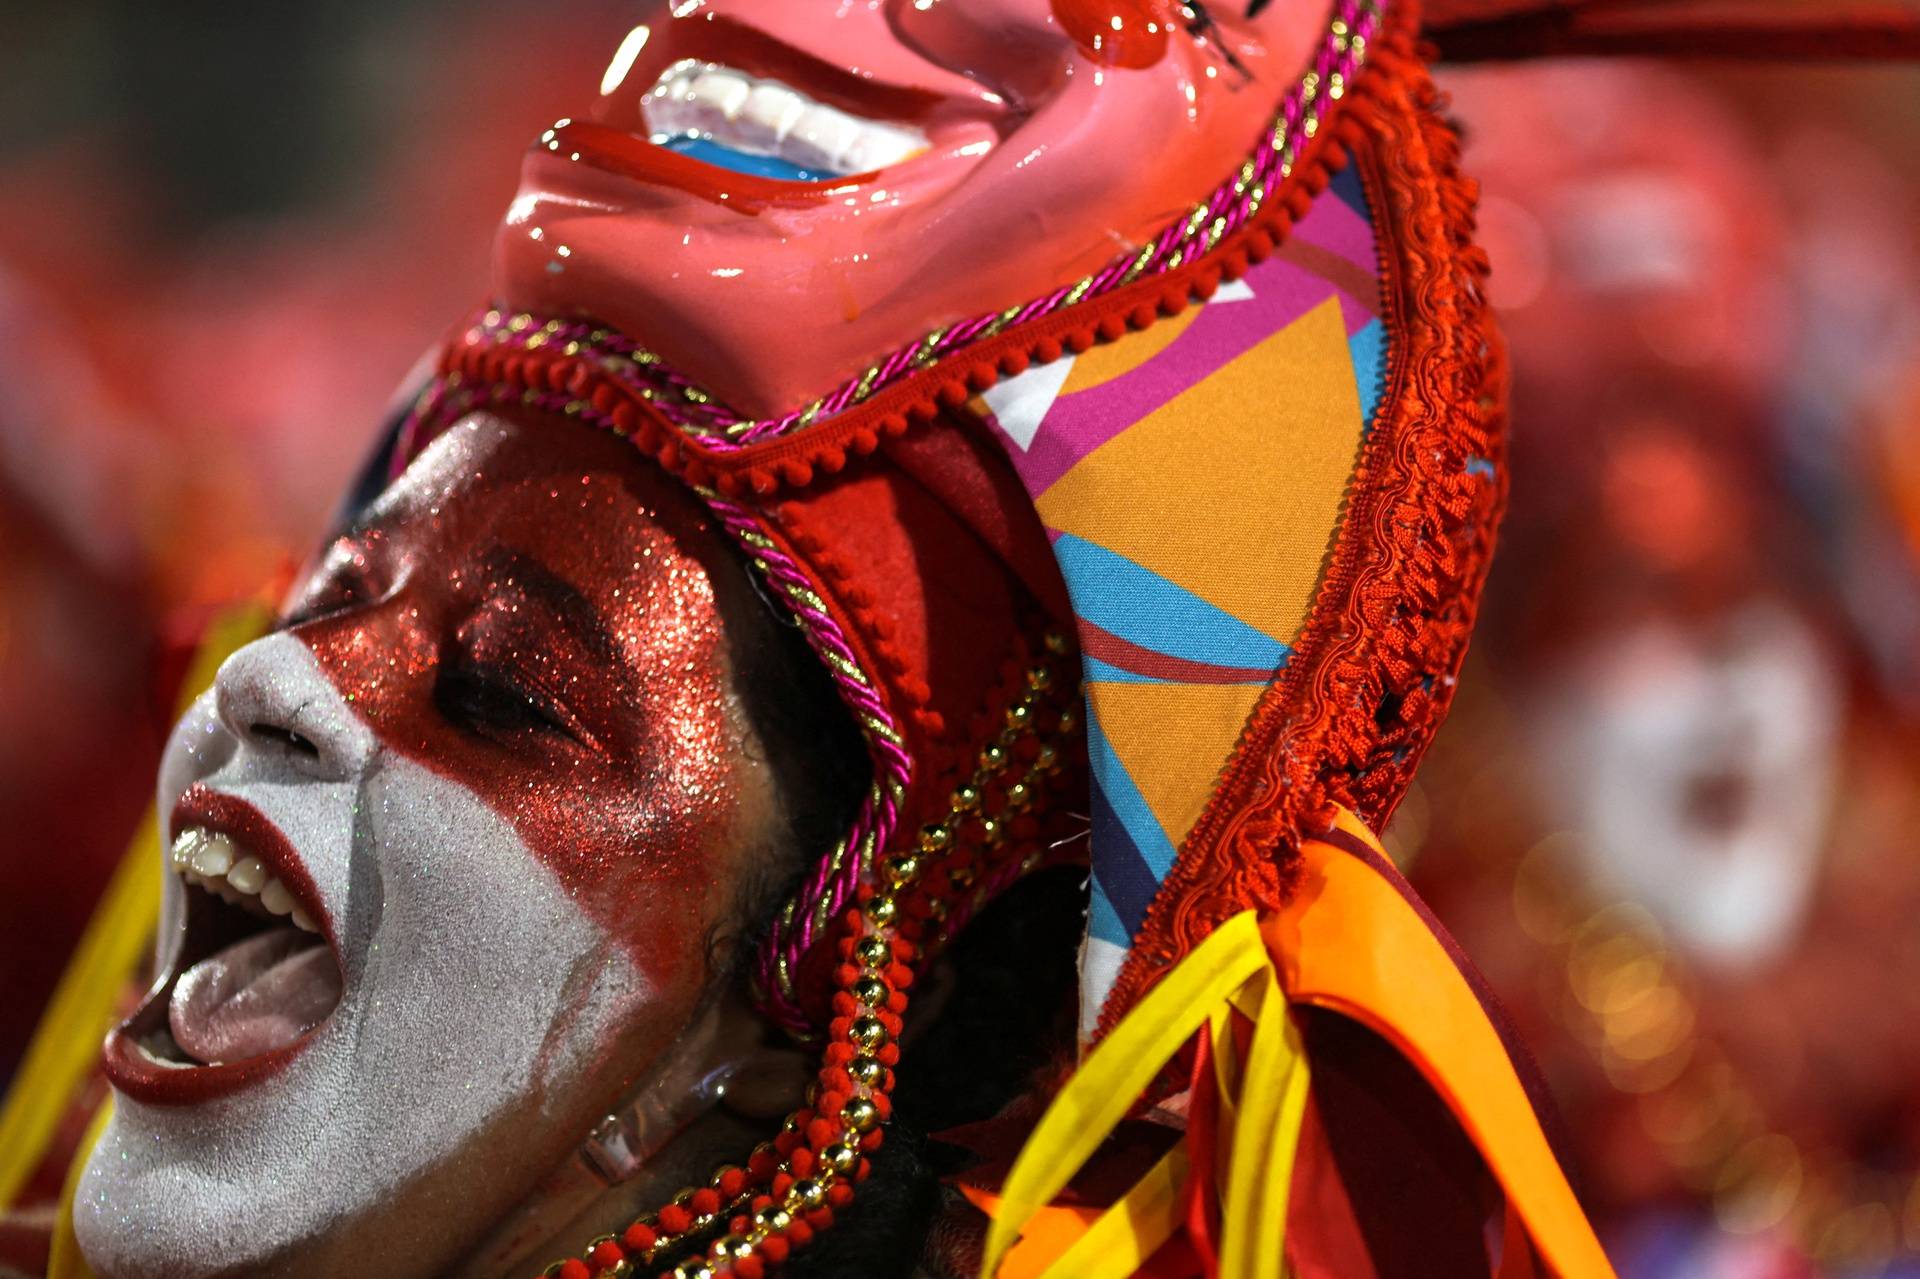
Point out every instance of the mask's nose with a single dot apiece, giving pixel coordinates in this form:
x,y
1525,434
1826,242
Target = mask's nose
x,y
278,704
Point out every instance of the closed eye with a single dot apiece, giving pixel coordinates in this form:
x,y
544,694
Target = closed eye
x,y
481,699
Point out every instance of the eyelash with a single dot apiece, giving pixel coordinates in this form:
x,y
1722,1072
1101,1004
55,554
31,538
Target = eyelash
x,y
1202,26
480,698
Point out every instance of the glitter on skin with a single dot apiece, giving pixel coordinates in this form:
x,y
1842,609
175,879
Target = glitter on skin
x,y
523,901
577,684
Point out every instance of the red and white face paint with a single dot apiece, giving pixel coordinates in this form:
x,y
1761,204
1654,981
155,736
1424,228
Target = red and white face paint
x,y
497,758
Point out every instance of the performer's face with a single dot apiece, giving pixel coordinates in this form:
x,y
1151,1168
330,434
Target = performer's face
x,y
497,757
961,156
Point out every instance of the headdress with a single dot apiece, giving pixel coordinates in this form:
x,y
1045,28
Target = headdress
x,y
1265,450
1242,483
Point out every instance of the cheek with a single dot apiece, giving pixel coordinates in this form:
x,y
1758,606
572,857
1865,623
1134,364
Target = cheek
x,y
646,840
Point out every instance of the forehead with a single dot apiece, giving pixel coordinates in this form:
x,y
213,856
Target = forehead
x,y
584,504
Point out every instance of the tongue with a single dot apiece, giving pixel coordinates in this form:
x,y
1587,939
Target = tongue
x,y
253,997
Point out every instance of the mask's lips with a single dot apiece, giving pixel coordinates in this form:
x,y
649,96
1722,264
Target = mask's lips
x,y
246,986
869,119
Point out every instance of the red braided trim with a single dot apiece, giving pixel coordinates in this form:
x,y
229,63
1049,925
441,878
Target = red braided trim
x,y
1375,667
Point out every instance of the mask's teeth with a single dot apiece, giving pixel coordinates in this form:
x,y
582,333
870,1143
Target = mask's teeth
x,y
765,117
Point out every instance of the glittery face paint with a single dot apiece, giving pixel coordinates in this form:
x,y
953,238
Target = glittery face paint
x,y
535,620
971,155
500,738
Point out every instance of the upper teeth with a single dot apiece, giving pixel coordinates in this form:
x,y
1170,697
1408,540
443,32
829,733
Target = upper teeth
x,y
212,861
765,117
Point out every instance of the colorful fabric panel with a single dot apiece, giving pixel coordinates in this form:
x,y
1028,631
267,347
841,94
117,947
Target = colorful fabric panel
x,y
1260,400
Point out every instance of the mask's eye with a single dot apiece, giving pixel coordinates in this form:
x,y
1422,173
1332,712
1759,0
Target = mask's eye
x,y
1201,26
1253,10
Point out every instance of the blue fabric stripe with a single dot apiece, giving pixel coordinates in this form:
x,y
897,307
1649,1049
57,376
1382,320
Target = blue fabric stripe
x,y
1103,921
1347,185
1119,870
1150,844
1368,350
1137,604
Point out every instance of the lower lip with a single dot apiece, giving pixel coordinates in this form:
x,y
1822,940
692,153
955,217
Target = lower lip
x,y
139,1077
628,156
126,1065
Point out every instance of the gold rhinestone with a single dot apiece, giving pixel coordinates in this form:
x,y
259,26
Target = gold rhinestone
x,y
881,910
1056,642
868,1032
866,1071
960,878
1068,722
900,869
773,1219
937,908
1019,717
731,1248
994,757
1039,679
935,839
870,992
1048,758
873,952
861,1115
791,1125
966,798
695,1269
1019,795
841,1157
808,1192
990,830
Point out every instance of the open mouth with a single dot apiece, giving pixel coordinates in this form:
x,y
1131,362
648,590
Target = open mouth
x,y
254,971
724,111
763,127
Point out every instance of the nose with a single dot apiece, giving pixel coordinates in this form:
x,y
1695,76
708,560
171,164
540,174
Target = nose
x,y
278,704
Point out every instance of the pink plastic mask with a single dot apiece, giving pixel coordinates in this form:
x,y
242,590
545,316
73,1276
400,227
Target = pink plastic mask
x,y
963,156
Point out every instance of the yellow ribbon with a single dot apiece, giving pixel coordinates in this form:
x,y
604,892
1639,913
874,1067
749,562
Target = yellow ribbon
x,y
1266,1136
1229,969
67,1041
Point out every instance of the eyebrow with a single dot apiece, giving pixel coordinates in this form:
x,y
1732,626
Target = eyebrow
x,y
574,611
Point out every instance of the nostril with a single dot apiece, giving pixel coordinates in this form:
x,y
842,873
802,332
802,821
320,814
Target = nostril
x,y
284,737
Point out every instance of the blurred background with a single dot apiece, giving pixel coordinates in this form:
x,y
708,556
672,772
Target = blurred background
x,y
1674,815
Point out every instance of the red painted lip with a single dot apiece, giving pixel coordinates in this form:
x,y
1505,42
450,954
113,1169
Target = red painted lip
x,y
250,828
129,1069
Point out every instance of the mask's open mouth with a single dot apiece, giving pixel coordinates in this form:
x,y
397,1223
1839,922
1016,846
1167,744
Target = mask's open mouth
x,y
253,974
741,122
